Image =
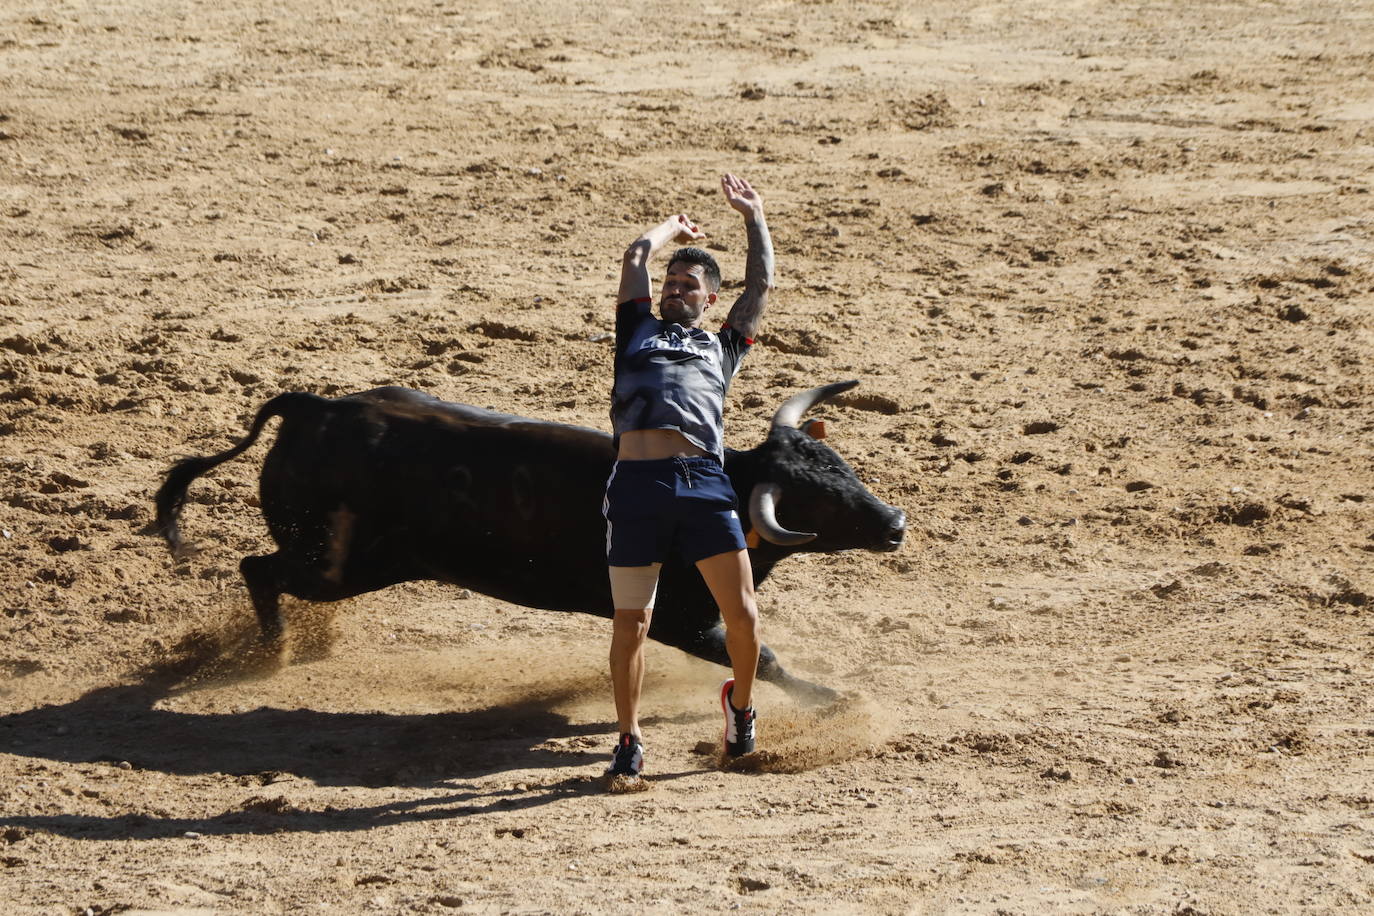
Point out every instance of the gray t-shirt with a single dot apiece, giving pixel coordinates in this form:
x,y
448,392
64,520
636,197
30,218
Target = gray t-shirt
x,y
671,377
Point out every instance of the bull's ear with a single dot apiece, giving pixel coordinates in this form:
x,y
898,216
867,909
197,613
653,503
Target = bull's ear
x,y
814,428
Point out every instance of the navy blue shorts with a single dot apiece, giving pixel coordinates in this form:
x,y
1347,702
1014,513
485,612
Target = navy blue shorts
x,y
682,505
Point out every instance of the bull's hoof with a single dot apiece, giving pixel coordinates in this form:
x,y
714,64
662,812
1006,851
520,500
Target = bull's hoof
x,y
801,691
267,645
271,634
809,694
262,657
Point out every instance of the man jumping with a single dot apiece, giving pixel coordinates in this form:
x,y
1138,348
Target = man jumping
x,y
668,490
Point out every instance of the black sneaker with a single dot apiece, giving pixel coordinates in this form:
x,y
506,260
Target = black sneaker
x,y
629,757
739,723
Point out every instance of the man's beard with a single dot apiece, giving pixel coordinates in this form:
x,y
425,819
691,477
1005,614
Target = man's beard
x,y
677,311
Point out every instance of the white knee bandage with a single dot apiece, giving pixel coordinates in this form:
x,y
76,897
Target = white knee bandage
x,y
634,587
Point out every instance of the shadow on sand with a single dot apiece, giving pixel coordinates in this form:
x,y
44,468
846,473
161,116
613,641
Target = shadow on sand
x,y
123,724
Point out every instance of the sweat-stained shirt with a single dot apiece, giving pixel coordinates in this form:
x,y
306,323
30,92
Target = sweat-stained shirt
x,y
671,377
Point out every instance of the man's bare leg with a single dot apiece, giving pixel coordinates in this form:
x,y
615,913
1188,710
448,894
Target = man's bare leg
x,y
630,628
731,581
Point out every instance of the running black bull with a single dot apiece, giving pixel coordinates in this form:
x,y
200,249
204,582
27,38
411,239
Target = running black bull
x,y
392,485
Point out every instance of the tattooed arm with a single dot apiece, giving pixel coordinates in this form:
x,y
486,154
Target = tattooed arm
x,y
747,311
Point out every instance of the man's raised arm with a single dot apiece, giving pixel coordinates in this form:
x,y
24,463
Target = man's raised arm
x,y
634,267
747,311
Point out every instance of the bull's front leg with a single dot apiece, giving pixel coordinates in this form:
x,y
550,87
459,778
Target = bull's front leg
x,y
709,644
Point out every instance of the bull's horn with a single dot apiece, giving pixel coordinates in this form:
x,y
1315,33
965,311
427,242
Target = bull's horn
x,y
763,516
795,407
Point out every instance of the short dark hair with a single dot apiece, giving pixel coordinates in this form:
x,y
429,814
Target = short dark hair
x,y
697,256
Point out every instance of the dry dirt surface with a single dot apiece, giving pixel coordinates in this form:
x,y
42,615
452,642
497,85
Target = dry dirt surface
x,y
1105,272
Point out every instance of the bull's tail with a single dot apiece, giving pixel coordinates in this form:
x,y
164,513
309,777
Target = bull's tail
x,y
171,496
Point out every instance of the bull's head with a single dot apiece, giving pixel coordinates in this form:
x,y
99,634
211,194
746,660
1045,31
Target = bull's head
x,y
823,504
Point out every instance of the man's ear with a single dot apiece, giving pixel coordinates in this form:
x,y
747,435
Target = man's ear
x,y
711,298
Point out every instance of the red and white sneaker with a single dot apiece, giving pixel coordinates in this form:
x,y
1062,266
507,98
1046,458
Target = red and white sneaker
x,y
739,723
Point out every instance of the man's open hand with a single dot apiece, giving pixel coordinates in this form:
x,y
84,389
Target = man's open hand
x,y
741,196
686,230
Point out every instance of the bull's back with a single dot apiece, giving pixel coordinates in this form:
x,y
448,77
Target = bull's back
x,y
394,485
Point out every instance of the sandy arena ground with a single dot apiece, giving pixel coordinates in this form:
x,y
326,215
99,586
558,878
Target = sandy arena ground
x,y
1104,269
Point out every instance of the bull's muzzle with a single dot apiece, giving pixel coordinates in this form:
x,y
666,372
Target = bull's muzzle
x,y
896,531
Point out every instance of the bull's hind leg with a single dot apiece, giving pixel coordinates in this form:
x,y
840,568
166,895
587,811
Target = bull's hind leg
x,y
260,574
309,578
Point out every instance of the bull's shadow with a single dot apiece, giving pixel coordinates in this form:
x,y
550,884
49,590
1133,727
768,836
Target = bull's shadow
x,y
123,723
263,818
256,748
